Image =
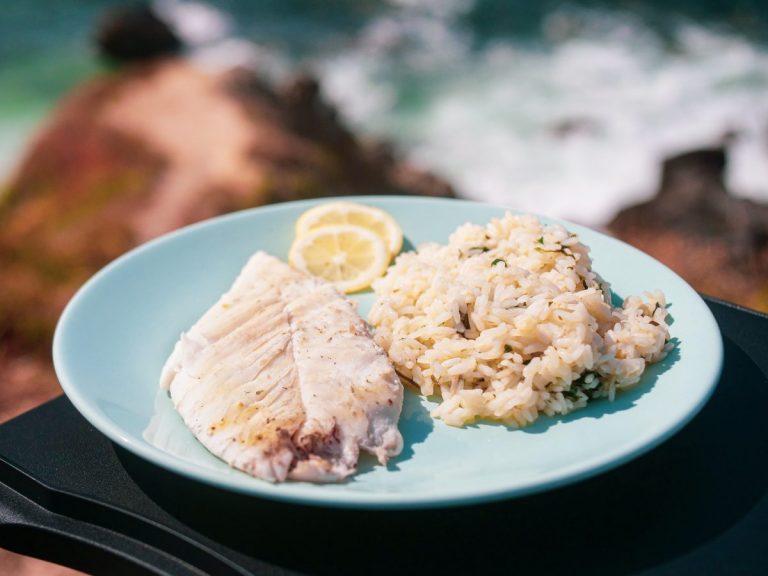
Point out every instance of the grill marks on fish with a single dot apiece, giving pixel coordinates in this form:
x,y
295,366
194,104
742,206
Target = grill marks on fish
x,y
281,379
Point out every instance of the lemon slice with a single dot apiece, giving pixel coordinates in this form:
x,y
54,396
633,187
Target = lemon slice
x,y
351,257
334,213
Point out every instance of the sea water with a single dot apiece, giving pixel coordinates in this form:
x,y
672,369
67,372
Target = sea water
x,y
560,109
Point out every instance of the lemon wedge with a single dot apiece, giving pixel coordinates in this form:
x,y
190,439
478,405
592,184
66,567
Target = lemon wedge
x,y
351,257
337,213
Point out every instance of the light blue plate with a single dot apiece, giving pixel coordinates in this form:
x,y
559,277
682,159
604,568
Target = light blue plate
x,y
116,333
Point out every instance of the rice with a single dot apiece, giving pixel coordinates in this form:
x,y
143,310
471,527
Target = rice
x,y
508,321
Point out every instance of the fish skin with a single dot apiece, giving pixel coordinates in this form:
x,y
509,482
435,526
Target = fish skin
x,y
281,379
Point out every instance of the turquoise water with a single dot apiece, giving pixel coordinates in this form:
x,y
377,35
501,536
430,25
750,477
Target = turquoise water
x,y
44,51
563,109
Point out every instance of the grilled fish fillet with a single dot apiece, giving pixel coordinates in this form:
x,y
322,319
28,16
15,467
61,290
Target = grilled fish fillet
x,y
281,379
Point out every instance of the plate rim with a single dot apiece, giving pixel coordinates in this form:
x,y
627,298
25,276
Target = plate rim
x,y
310,495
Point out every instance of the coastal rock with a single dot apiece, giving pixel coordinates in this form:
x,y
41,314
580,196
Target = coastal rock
x,y
134,154
715,241
135,33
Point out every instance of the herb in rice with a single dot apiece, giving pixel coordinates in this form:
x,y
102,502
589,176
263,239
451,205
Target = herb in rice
x,y
508,321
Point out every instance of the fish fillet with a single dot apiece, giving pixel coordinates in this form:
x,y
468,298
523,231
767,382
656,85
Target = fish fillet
x,y
281,379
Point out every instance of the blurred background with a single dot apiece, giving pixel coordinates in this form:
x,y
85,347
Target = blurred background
x,y
119,122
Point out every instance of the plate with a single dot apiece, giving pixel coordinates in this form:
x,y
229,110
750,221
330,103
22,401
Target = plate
x,y
116,333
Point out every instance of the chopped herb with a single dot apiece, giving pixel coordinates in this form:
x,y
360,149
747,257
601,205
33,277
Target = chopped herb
x,y
563,249
540,240
653,313
588,384
571,394
481,248
497,261
507,348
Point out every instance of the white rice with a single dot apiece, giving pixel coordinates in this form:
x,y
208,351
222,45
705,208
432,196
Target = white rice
x,y
508,320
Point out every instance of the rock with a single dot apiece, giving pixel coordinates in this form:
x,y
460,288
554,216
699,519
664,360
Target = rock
x,y
132,155
135,33
715,241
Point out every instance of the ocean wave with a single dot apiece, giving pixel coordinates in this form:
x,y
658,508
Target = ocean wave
x,y
570,118
575,125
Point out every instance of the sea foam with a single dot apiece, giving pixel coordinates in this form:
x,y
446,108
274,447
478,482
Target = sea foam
x,y
575,125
